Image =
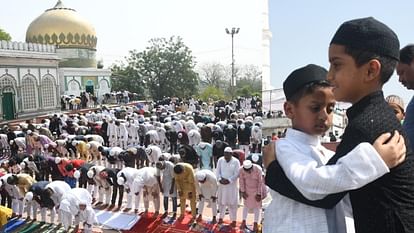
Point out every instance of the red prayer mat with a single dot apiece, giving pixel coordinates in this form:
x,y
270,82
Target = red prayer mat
x,y
155,224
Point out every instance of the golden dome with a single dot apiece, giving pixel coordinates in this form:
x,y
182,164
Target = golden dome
x,y
63,27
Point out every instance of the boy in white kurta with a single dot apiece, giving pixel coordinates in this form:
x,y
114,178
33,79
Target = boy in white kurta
x,y
309,105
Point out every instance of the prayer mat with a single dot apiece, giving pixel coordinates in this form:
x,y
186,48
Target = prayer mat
x,y
12,225
22,226
116,220
149,223
30,228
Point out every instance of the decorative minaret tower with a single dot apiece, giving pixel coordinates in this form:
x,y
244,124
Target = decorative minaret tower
x,y
266,37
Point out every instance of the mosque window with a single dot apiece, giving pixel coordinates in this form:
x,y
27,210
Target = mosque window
x,y
29,93
48,92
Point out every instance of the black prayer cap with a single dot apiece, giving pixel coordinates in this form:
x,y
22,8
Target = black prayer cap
x,y
368,34
301,77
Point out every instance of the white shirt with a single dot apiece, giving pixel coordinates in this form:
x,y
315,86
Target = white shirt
x,y
228,194
302,158
209,188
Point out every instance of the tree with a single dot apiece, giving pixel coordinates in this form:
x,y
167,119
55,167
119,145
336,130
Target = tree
x,y
249,81
167,67
213,74
4,35
211,92
125,77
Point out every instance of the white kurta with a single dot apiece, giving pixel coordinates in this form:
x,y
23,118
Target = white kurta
x,y
228,194
59,189
302,158
209,188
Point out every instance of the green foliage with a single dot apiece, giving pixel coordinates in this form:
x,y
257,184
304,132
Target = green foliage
x,y
127,78
165,68
211,92
4,35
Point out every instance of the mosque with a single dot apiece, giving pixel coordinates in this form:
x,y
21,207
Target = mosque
x,y
58,58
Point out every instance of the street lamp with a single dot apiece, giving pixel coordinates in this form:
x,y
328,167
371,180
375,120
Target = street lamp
x,y
232,33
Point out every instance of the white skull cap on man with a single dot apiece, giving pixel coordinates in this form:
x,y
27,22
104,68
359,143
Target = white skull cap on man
x,y
200,176
58,160
255,158
247,164
90,174
77,174
121,180
228,149
28,196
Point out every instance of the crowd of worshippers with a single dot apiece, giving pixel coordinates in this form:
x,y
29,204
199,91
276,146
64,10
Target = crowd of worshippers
x,y
72,102
69,162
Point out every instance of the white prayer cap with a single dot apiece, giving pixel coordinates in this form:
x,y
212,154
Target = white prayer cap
x,y
29,131
191,134
121,180
77,174
255,157
228,149
74,143
200,176
46,146
11,142
242,126
90,174
230,126
112,152
247,164
23,165
28,196
58,160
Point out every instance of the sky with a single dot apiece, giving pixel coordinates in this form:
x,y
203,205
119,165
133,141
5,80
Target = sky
x,y
301,29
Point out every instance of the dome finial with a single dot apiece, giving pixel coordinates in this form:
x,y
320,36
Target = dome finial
x,y
59,4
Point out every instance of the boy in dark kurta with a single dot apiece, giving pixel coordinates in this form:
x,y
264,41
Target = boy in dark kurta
x,y
363,54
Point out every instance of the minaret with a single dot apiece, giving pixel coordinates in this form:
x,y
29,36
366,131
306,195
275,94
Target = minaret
x,y
266,37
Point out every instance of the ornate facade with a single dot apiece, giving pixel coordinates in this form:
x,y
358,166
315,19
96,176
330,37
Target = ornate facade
x,y
29,81
57,59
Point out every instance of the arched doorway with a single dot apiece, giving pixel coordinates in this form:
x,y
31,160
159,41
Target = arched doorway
x,y
7,101
89,87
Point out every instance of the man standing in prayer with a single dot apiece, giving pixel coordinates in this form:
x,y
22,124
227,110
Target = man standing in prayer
x,y
228,194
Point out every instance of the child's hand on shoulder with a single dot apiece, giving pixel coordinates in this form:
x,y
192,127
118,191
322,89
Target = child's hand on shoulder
x,y
391,149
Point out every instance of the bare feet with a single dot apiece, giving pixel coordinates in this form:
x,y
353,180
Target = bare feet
x,y
214,220
255,227
220,221
127,209
233,224
243,225
200,218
